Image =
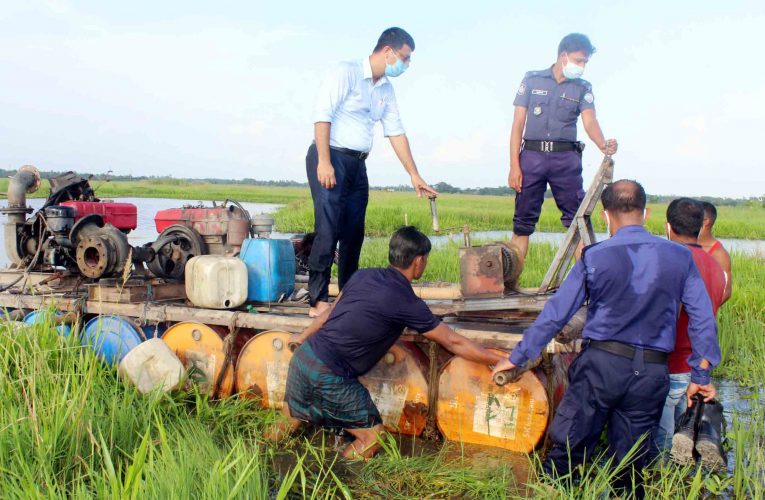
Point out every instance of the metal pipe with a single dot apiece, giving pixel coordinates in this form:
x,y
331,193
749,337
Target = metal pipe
x,y
434,214
26,180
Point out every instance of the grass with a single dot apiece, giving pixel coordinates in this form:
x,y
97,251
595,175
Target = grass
x,y
741,323
70,428
388,210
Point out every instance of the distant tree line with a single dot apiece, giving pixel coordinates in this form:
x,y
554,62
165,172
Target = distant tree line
x,y
441,187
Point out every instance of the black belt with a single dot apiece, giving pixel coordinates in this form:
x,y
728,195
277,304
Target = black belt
x,y
359,155
553,146
627,351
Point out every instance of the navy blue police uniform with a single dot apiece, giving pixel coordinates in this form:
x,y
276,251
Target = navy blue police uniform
x,y
550,152
634,284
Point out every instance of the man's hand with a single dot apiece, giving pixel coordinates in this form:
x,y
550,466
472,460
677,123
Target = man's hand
x,y
502,366
610,147
421,187
326,174
515,179
708,391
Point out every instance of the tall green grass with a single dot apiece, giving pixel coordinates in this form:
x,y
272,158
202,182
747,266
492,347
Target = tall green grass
x,y
389,210
741,323
69,428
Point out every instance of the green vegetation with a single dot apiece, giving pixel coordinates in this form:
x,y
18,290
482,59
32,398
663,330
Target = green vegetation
x,y
389,210
70,428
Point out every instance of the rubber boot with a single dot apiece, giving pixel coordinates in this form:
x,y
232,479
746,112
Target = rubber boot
x,y
686,428
709,438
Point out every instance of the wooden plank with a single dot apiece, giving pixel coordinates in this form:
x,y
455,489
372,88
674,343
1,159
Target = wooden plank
x,y
135,293
580,229
487,334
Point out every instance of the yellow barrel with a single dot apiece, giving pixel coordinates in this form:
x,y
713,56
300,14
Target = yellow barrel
x,y
261,371
399,389
397,383
200,349
473,409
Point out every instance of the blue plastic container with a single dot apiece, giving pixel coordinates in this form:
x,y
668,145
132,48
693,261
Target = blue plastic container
x,y
270,268
111,337
42,317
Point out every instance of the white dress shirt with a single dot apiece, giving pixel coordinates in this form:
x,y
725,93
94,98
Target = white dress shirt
x,y
352,104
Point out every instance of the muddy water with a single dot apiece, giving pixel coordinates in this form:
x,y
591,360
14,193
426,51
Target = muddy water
x,y
735,399
455,456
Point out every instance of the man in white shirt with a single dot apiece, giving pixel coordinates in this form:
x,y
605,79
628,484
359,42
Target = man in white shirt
x,y
354,96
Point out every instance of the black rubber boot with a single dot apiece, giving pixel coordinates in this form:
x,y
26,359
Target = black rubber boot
x,y
686,428
709,438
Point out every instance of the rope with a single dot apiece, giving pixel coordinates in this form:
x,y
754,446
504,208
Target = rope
x,y
430,428
228,350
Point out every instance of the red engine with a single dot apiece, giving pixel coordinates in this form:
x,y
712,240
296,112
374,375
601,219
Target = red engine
x,y
223,229
123,216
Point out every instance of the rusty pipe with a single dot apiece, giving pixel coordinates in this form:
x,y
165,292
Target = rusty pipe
x,y
26,180
434,214
514,374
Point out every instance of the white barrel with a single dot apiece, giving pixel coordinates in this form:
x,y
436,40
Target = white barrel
x,y
216,282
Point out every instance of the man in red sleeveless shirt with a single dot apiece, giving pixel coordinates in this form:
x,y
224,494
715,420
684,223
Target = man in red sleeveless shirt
x,y
685,217
714,247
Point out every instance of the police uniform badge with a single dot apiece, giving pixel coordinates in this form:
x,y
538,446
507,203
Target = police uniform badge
x,y
588,98
537,110
522,89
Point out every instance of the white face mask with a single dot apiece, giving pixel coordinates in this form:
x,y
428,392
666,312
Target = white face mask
x,y
571,70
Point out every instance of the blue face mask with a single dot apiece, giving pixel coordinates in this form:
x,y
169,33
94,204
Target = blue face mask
x,y
571,70
396,69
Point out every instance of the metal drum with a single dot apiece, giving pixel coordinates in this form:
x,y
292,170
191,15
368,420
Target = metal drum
x,y
399,388
397,383
261,371
110,337
200,349
473,409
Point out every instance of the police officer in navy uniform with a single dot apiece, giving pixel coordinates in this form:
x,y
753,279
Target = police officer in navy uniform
x,y
634,285
547,106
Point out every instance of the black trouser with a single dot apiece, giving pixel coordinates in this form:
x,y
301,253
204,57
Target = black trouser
x,y
607,389
338,216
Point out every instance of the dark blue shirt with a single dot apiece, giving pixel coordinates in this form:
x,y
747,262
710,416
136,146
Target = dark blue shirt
x,y
375,306
634,284
552,108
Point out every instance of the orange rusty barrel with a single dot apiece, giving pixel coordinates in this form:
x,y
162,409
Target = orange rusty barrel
x,y
473,409
201,350
261,371
397,382
399,388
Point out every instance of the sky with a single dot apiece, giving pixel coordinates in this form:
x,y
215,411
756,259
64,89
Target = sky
x,y
226,89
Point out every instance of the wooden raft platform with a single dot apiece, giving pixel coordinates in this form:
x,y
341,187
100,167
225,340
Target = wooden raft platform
x,y
501,333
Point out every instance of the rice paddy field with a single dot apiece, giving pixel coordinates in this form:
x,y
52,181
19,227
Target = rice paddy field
x,y
70,428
